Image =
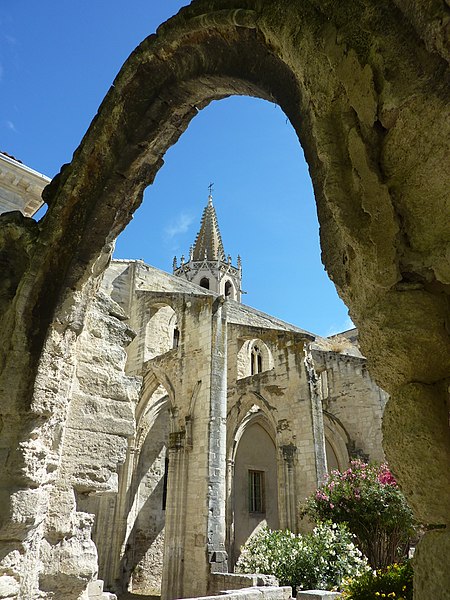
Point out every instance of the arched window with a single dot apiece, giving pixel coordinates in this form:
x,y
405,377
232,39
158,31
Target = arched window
x,y
159,332
256,361
229,290
204,283
253,357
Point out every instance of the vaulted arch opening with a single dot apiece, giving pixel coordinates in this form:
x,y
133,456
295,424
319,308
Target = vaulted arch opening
x,y
254,357
204,283
135,563
254,494
162,332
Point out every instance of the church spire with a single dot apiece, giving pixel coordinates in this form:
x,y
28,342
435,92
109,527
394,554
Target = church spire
x,y
208,265
208,243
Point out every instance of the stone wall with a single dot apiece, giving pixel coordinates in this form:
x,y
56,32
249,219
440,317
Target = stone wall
x,y
353,401
145,541
94,444
280,400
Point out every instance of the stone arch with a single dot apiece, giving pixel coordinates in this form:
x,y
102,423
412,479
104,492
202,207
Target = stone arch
x,y
376,165
201,65
229,290
204,283
259,428
253,411
143,487
336,443
254,357
160,331
249,404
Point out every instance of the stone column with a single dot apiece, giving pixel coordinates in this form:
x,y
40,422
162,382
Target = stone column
x,y
113,572
216,534
416,436
317,418
289,452
196,494
230,514
174,548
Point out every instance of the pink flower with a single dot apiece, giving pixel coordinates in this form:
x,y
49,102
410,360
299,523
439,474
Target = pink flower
x,y
385,477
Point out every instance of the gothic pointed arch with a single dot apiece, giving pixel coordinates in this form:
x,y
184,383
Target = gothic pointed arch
x,y
254,357
253,477
252,407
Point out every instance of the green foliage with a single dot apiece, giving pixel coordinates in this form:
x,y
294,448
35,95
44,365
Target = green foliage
x,y
321,559
368,499
395,582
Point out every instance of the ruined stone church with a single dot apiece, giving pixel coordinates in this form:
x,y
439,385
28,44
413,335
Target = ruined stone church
x,y
193,418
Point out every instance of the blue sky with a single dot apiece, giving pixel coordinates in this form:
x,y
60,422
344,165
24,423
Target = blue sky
x,y
58,59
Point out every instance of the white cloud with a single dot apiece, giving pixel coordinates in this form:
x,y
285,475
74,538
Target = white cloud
x,y
10,125
180,225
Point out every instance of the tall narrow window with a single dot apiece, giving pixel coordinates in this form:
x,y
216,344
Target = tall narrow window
x,y
164,491
229,290
256,361
176,337
256,499
204,283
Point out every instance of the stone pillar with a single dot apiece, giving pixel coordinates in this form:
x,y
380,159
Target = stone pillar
x,y
196,493
317,418
174,555
113,574
289,452
230,514
416,436
217,442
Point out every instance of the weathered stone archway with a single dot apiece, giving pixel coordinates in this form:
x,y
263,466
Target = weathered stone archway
x,y
366,88
242,524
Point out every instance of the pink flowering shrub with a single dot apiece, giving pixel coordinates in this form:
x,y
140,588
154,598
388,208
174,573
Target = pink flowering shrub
x,y
368,499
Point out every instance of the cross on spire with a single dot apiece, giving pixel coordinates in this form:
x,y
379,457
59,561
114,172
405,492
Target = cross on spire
x,y
210,188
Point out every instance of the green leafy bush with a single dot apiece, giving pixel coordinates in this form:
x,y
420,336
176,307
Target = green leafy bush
x,y
321,559
368,499
395,582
